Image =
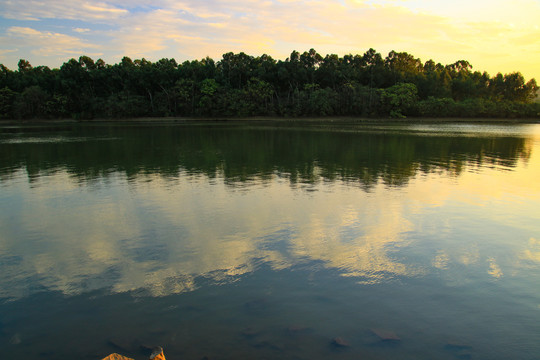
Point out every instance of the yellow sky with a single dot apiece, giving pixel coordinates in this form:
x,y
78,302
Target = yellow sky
x,y
494,36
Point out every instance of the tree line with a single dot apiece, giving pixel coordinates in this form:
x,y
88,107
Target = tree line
x,y
239,85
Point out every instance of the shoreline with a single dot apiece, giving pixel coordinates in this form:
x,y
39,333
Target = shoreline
x,y
273,119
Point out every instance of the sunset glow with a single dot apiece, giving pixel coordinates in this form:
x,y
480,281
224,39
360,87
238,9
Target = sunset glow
x,y
494,36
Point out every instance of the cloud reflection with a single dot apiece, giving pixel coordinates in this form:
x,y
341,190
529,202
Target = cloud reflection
x,y
161,234
141,236
532,253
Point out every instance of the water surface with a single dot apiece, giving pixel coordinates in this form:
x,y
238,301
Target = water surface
x,y
263,241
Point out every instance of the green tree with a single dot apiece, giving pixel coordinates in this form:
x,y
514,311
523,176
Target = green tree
x,y
7,97
515,88
400,100
403,67
209,88
24,66
31,103
259,93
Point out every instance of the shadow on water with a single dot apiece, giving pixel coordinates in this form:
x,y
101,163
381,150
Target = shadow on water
x,y
280,320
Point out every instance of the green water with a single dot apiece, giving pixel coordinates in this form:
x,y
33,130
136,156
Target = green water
x,y
270,240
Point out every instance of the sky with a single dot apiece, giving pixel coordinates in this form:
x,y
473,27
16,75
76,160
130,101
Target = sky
x,y
493,35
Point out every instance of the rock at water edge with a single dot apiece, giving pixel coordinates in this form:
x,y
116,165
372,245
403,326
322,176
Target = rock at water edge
x,y
116,356
157,354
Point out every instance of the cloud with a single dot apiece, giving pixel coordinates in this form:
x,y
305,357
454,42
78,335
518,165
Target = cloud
x,y
144,34
104,10
502,11
6,51
46,43
56,9
493,37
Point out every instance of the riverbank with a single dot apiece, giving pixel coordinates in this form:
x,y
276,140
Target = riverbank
x,y
275,119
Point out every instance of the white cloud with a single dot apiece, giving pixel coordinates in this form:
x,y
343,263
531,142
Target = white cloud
x,y
57,9
48,43
23,31
7,51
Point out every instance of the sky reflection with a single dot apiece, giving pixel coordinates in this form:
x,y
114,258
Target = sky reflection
x,y
160,234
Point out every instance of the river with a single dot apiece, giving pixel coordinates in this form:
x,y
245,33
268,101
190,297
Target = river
x,y
270,241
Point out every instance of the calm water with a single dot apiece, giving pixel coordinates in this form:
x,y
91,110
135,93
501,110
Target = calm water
x,y
269,242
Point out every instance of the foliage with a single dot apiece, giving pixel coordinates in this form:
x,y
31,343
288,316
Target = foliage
x,y
7,96
305,84
399,99
31,103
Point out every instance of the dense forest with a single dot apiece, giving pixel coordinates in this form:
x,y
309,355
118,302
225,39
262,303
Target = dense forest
x,y
306,84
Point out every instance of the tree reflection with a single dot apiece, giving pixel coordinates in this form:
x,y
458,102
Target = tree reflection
x,y
243,154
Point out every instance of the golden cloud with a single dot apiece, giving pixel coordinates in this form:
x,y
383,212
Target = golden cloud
x,y
49,43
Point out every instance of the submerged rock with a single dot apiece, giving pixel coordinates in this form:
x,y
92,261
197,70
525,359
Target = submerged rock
x,y
250,332
339,342
146,350
453,346
295,329
256,305
268,344
459,350
123,344
386,335
15,339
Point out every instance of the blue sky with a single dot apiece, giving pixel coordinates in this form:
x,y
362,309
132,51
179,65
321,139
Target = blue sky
x,y
492,35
